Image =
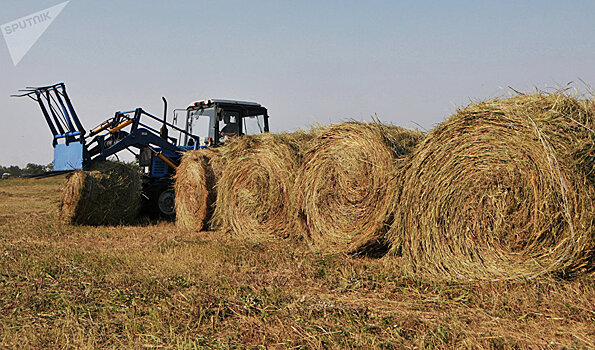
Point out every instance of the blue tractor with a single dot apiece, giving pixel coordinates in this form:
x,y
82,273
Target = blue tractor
x,y
144,135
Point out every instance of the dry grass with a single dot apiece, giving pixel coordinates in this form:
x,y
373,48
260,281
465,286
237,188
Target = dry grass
x,y
345,190
502,189
108,194
64,286
195,186
257,179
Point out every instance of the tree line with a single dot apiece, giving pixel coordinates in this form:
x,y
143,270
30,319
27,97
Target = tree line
x,y
29,169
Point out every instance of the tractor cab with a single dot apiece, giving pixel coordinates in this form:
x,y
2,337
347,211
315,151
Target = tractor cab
x,y
218,120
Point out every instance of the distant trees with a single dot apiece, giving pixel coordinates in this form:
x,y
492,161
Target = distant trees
x,y
29,169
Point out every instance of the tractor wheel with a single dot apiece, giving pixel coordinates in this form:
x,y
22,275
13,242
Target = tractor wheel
x,y
161,200
166,203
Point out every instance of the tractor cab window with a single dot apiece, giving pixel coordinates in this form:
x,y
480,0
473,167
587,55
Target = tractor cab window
x,y
200,124
253,125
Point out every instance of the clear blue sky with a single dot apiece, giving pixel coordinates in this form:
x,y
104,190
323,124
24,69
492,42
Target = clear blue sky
x,y
411,62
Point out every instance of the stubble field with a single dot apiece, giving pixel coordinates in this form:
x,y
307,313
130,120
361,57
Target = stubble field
x,y
154,286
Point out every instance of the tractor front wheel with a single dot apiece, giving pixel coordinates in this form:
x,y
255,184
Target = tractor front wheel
x,y
166,203
160,200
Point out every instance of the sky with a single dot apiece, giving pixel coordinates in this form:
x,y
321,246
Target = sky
x,y
411,63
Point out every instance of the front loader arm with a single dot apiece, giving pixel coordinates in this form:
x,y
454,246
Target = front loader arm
x,y
139,138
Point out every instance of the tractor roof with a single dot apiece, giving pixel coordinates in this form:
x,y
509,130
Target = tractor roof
x,y
212,101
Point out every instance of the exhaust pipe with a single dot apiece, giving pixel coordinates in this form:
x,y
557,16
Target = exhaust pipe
x,y
164,134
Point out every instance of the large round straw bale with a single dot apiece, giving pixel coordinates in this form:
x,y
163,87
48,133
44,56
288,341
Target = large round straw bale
x,y
502,189
195,187
255,185
108,194
345,189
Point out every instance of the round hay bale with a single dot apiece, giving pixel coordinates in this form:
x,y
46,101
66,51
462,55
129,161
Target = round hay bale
x,y
254,189
502,189
345,189
108,194
195,187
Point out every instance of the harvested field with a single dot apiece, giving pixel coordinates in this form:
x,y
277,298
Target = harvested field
x,y
86,287
196,190
502,189
346,189
257,179
108,194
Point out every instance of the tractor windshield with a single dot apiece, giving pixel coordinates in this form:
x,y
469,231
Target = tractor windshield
x,y
199,124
